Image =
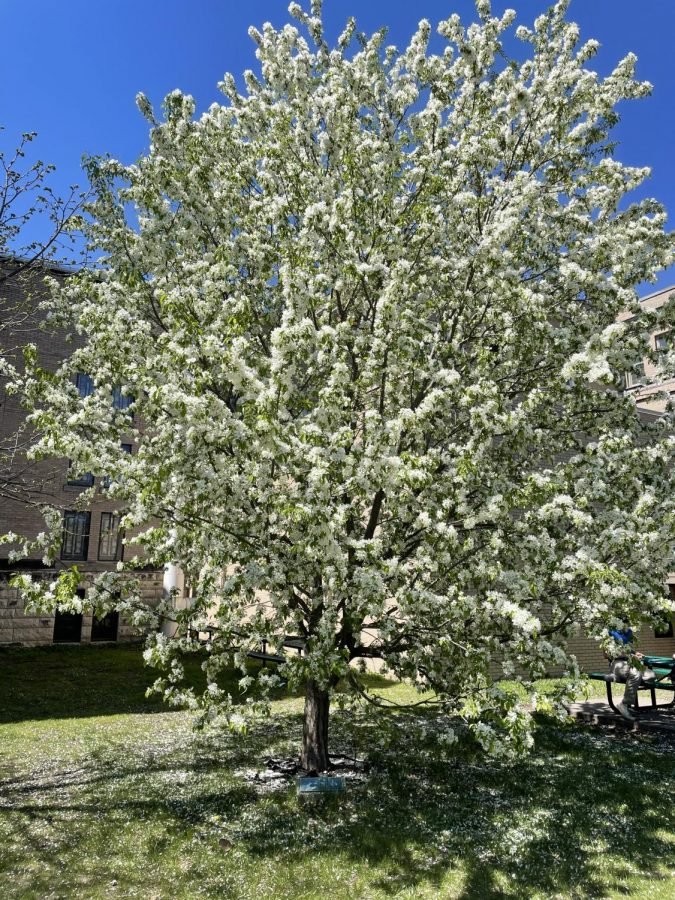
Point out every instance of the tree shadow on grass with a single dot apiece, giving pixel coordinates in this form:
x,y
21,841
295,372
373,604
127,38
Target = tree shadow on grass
x,y
65,682
542,827
69,682
547,825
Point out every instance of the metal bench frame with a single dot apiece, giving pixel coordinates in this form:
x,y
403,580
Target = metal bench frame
x,y
651,686
292,641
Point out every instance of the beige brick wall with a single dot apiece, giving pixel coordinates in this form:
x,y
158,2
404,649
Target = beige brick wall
x,y
591,659
17,627
44,481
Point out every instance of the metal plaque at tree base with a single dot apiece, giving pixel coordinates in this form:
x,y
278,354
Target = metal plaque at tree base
x,y
324,784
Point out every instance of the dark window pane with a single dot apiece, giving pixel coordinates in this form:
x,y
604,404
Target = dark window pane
x,y
75,543
67,628
105,629
120,401
664,630
85,384
109,539
85,480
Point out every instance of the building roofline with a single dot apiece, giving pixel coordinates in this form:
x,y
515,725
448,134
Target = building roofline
x,y
665,290
645,413
52,266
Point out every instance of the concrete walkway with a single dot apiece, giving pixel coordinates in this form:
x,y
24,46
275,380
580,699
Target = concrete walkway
x,y
600,712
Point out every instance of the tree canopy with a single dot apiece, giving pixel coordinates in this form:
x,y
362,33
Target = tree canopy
x,y
367,308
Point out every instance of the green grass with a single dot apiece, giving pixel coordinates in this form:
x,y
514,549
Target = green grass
x,y
104,793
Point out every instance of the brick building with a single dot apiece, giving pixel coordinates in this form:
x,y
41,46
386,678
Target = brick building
x,y
91,538
645,383
648,390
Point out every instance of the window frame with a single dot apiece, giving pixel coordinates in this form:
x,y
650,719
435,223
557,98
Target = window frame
x,y
123,402
664,631
106,481
108,532
666,337
83,534
86,480
110,622
636,377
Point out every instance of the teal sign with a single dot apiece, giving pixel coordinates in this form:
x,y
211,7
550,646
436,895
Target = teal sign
x,y
324,784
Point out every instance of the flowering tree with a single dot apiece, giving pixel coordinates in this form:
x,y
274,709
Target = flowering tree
x,y
367,310
28,204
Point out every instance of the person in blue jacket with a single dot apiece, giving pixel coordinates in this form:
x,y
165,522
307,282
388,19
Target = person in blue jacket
x,y
622,670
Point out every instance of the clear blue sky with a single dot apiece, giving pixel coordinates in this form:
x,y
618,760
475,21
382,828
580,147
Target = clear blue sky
x,y
71,70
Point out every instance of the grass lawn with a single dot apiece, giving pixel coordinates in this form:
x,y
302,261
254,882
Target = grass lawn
x,y
104,793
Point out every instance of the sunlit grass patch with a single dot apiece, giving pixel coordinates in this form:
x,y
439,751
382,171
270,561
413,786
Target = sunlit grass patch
x,y
114,803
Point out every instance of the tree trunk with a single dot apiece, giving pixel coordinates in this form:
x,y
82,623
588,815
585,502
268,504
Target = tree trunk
x,y
314,755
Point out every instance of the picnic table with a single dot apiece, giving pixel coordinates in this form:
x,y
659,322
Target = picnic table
x,y
291,641
660,662
664,669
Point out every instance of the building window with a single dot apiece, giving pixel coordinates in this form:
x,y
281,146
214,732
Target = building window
x,y
110,538
120,401
105,629
85,384
663,341
85,480
664,630
68,626
75,542
636,377
125,448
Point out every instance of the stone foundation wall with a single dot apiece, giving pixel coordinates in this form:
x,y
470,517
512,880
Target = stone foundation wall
x,y
17,627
